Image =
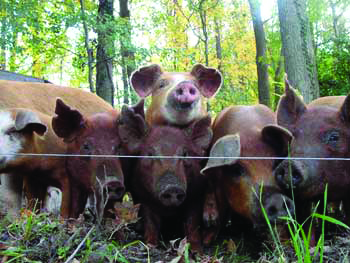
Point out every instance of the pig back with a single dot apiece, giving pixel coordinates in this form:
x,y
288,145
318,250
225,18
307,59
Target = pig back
x,y
42,97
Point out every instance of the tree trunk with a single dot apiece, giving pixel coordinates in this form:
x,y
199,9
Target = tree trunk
x,y
278,80
88,50
104,67
218,43
3,44
203,16
260,40
127,52
298,51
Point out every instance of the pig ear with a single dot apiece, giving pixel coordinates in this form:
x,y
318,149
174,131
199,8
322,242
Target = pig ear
x,y
29,121
278,137
290,107
139,108
201,133
143,79
132,129
209,79
68,123
227,150
345,110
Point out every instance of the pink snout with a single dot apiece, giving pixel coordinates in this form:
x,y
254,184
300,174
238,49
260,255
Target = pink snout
x,y
185,93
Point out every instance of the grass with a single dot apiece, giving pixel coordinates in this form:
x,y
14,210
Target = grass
x,y
300,238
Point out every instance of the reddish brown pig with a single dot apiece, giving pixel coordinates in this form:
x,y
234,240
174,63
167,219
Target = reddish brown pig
x,y
42,97
177,98
235,184
26,131
169,189
99,177
321,129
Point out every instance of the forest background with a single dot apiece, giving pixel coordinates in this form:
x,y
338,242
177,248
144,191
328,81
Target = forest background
x,y
98,44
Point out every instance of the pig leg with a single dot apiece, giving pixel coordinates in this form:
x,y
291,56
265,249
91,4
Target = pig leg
x,y
151,225
12,185
193,221
78,201
346,207
67,201
35,192
211,216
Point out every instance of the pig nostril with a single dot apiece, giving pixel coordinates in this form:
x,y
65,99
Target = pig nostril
x,y
296,178
192,91
166,196
179,92
181,197
272,211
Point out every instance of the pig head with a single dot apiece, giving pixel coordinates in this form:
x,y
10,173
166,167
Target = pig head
x,y
24,131
166,183
177,98
244,186
95,173
321,130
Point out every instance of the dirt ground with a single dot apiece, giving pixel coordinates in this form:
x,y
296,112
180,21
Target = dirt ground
x,y
44,237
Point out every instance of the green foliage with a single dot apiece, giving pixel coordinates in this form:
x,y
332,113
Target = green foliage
x,y
334,66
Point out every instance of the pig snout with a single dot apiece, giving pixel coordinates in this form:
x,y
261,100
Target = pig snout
x,y
172,196
288,173
184,96
115,189
170,191
277,205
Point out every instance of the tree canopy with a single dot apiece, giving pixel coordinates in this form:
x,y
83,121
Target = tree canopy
x,y
48,39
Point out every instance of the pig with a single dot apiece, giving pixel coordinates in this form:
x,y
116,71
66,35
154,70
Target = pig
x,y
321,129
101,178
170,190
235,184
28,131
42,97
178,99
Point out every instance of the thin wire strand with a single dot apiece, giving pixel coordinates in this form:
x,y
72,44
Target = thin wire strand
x,y
173,157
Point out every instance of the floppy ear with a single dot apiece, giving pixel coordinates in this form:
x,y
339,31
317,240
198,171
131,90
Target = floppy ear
x,y
290,107
29,121
209,79
132,129
278,137
138,108
143,79
345,110
68,123
200,133
227,146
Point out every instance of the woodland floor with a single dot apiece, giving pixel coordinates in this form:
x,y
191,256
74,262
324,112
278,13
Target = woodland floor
x,y
45,238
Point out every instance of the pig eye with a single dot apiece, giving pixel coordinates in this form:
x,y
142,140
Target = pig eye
x,y
163,83
86,148
332,137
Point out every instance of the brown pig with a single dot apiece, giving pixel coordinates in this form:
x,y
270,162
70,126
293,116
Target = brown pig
x,y
42,97
102,177
26,131
169,188
178,98
236,185
321,129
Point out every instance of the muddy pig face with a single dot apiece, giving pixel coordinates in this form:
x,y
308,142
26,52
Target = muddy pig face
x,y
242,181
165,181
18,129
320,131
94,135
177,98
